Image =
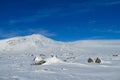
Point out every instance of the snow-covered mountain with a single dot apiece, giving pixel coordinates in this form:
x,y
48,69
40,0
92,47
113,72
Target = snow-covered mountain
x,y
39,44
32,44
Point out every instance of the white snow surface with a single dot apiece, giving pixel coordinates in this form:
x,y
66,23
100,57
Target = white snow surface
x,y
17,54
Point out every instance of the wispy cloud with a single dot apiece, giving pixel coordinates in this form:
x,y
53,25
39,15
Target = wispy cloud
x,y
94,4
106,31
37,16
66,9
31,18
112,31
95,37
113,3
78,11
88,6
42,31
8,34
14,33
92,21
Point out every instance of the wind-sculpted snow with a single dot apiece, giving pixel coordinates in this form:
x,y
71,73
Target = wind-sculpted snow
x,y
18,54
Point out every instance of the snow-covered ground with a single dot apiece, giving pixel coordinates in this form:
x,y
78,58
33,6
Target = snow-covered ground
x,y
18,54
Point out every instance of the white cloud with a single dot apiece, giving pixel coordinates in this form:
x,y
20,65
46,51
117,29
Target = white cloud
x,y
94,4
113,31
8,34
96,37
107,30
113,3
21,20
14,33
70,9
38,15
31,18
92,21
42,31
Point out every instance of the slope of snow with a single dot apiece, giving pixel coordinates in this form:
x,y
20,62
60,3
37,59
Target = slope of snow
x,y
17,54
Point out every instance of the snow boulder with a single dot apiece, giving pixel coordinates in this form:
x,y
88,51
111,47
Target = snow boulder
x,y
37,59
52,60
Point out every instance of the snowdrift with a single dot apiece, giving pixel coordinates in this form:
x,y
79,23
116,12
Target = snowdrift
x,y
52,60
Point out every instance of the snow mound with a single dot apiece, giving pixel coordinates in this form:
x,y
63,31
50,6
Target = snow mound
x,y
106,62
52,60
37,59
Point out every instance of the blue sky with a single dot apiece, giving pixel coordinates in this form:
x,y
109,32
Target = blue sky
x,y
63,20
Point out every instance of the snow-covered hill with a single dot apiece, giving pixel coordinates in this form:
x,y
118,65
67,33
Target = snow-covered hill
x,y
28,44
36,44
70,63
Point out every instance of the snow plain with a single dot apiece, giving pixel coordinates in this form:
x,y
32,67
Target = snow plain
x,y
17,54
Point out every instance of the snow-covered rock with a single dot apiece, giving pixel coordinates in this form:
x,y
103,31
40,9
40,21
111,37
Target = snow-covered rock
x,y
37,59
52,60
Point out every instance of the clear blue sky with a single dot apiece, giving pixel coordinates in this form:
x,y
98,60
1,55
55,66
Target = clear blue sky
x,y
64,20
